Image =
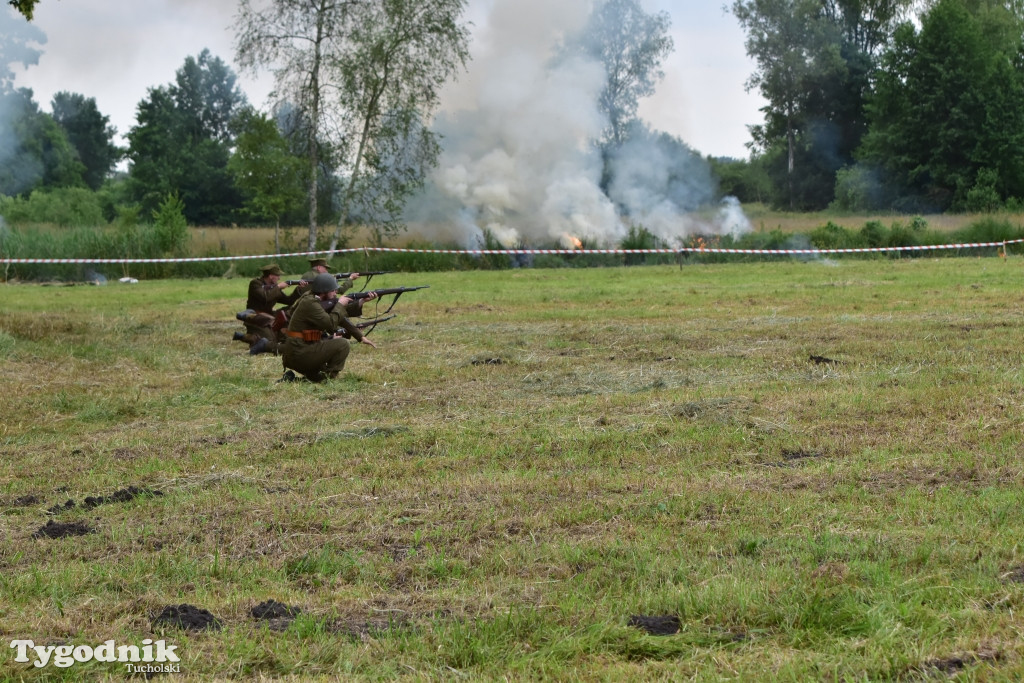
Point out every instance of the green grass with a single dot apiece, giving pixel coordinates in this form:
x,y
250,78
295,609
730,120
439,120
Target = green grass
x,y
529,459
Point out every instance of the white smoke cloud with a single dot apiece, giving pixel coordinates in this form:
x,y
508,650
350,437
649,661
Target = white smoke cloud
x,y
518,159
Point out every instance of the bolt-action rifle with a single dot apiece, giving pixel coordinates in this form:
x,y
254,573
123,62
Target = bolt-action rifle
x,y
396,291
281,315
344,276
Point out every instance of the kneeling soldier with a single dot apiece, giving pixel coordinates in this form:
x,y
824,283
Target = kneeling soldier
x,y
312,348
265,292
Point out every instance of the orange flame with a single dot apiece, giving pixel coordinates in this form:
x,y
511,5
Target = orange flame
x,y
571,242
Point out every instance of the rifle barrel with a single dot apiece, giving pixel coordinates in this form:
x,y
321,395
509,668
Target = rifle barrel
x,y
383,292
368,273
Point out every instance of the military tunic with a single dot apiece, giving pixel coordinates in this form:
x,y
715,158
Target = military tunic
x,y
317,360
262,298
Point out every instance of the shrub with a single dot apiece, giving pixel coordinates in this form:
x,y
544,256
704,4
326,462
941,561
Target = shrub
x,y
638,237
66,207
832,236
873,234
170,229
984,197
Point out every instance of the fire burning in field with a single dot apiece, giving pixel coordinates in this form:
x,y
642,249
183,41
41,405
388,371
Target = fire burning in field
x,y
570,242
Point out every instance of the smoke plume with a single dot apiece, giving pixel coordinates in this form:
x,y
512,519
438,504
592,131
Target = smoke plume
x,y
19,41
518,156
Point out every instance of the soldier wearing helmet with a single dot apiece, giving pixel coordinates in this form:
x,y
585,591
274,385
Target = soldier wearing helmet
x,y
312,348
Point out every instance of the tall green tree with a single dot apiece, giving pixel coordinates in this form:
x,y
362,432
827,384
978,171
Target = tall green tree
x,y
270,176
815,65
89,133
182,141
631,45
35,151
948,111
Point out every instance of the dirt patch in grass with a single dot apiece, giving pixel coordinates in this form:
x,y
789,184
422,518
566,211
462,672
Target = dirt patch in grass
x,y
714,409
120,496
61,507
965,478
277,615
792,458
187,617
54,529
1015,575
957,663
656,626
367,629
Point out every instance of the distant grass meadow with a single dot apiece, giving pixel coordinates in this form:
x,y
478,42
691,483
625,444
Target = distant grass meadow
x,y
169,238
793,470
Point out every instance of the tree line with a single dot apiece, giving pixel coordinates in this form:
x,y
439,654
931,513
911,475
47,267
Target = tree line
x,y
347,140
895,105
872,105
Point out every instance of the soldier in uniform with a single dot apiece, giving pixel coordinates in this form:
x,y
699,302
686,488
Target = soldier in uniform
x,y
312,348
265,292
318,266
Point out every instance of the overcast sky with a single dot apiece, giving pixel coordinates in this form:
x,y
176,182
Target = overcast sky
x,y
113,52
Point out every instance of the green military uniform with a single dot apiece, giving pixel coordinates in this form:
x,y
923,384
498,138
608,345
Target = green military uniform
x,y
317,360
262,298
344,285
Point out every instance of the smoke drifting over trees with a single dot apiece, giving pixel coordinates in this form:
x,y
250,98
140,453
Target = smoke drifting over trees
x,y
522,155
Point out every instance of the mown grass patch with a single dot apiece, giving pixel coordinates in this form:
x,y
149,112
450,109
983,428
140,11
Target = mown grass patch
x,y
803,471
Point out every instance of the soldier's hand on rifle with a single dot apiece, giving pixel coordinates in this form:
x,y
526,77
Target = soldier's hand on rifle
x,y
366,340
353,276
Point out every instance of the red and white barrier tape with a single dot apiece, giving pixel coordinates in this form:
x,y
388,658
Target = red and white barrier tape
x,y
516,252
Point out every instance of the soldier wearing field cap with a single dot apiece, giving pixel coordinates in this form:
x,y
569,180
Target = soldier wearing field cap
x,y
265,292
318,266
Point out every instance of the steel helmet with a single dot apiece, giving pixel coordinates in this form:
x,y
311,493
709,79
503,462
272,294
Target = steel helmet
x,y
324,282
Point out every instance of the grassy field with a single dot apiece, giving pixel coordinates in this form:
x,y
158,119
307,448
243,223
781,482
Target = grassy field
x,y
795,471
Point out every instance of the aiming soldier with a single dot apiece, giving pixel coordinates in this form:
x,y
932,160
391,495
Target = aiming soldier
x,y
265,292
318,266
312,348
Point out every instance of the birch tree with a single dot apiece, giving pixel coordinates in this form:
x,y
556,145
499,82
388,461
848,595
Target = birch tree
x,y
299,40
400,54
365,76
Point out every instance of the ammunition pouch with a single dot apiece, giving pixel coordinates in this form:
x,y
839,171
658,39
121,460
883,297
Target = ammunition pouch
x,y
306,335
